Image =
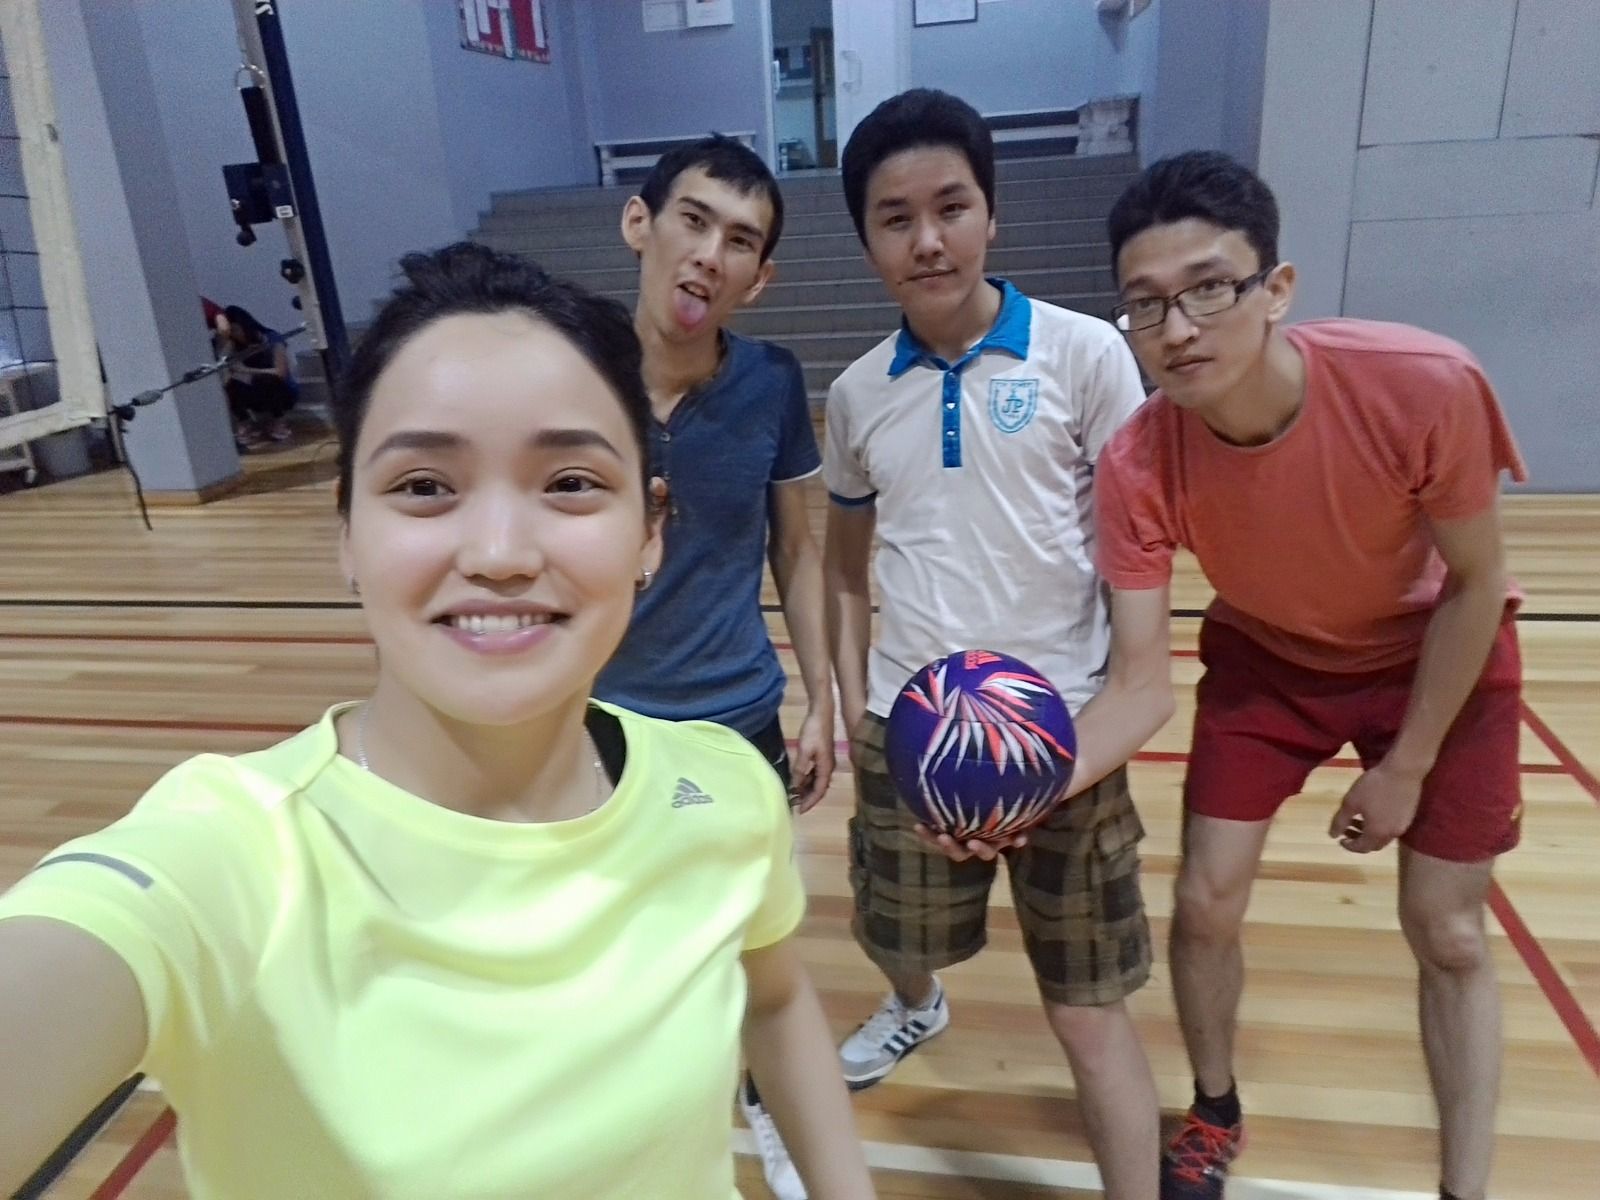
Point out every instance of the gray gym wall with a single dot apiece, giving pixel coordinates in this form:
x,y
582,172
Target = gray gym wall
x,y
1436,163
1204,92
193,50
677,82
1022,55
505,125
408,134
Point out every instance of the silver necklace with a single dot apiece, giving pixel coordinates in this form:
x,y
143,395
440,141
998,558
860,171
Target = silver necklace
x,y
602,781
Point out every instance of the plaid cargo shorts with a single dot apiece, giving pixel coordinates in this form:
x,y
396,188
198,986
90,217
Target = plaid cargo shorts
x,y
1075,886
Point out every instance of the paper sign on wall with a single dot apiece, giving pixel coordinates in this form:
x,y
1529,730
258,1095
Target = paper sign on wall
x,y
698,13
943,12
663,15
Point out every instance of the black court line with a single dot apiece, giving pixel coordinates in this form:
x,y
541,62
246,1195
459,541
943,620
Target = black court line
x,y
56,1165
1582,618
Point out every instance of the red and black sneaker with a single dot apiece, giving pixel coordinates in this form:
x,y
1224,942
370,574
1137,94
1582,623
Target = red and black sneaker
x,y
1195,1166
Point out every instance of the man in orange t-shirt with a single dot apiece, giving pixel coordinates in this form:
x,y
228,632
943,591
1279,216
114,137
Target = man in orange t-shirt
x,y
1338,481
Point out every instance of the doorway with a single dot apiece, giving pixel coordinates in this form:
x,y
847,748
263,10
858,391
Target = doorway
x,y
804,109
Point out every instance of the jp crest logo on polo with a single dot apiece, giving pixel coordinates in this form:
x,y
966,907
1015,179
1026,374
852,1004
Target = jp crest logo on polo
x,y
979,745
1012,403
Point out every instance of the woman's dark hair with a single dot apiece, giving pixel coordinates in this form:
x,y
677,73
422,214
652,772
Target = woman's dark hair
x,y
1203,184
243,322
469,278
920,117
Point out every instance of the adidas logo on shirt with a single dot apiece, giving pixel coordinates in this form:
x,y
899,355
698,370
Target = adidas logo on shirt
x,y
689,792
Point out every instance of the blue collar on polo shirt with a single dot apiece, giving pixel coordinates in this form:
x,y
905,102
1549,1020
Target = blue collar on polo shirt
x,y
1010,332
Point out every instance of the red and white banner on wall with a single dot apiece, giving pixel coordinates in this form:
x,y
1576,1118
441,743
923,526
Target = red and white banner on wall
x,y
507,28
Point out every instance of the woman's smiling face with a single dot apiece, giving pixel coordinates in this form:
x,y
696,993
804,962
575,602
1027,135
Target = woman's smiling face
x,y
497,522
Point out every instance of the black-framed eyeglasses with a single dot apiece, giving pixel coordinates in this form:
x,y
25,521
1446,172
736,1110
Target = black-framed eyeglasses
x,y
1205,299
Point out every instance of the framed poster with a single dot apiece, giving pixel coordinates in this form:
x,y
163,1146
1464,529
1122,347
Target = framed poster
x,y
505,28
943,12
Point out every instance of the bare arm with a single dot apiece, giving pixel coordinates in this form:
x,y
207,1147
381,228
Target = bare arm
x,y
797,570
791,1056
846,559
1454,649
1137,698
74,1027
1458,638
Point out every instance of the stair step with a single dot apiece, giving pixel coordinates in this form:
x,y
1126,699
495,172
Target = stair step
x,y
853,267
866,306
1008,171
844,295
1012,233
546,229
825,303
604,206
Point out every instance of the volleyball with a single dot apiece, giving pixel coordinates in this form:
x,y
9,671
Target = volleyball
x,y
980,745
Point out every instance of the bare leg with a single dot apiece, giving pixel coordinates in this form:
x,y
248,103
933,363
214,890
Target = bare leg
x,y
1116,1092
1458,998
1213,890
913,989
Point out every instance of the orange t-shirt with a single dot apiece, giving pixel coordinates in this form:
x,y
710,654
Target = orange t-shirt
x,y
1317,543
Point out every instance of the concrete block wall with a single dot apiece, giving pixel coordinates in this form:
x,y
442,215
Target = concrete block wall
x,y
1437,163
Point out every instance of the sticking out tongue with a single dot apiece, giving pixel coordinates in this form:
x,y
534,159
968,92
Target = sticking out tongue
x,y
688,308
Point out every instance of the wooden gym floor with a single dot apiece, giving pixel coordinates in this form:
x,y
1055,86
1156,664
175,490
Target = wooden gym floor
x,y
123,651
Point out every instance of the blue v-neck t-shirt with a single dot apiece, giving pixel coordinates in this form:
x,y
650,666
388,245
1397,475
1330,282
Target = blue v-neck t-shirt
x,y
697,648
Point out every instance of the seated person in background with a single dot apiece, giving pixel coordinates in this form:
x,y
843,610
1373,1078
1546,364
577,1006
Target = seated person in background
x,y
261,385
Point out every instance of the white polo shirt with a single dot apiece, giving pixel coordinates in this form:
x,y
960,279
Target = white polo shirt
x,y
982,475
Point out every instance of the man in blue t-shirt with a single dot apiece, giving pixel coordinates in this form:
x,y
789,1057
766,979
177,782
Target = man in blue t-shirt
x,y
733,440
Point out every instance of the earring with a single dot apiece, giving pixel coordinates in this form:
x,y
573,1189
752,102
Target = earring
x,y
643,584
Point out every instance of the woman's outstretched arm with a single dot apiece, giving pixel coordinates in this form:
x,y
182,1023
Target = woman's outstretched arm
x,y
72,1027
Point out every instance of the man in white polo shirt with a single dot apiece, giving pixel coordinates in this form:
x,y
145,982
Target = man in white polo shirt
x,y
962,449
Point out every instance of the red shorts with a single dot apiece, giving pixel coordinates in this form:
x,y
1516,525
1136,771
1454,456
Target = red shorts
x,y
1263,724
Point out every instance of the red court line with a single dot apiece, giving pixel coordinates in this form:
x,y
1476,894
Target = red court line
x,y
263,639
840,747
1544,972
151,723
273,639
1180,757
1548,978
230,639
1568,760
140,1153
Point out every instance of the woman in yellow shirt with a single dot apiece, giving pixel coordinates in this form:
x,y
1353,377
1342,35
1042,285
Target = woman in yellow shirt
x,y
476,936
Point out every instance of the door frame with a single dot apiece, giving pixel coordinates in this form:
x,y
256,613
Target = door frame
x,y
769,104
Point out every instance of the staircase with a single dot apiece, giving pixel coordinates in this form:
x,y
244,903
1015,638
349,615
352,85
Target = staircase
x,y
825,304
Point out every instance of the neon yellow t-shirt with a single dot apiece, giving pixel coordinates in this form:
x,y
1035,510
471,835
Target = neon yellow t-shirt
x,y
354,993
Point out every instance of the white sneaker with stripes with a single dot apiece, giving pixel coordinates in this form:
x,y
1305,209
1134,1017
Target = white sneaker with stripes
x,y
776,1166
890,1034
